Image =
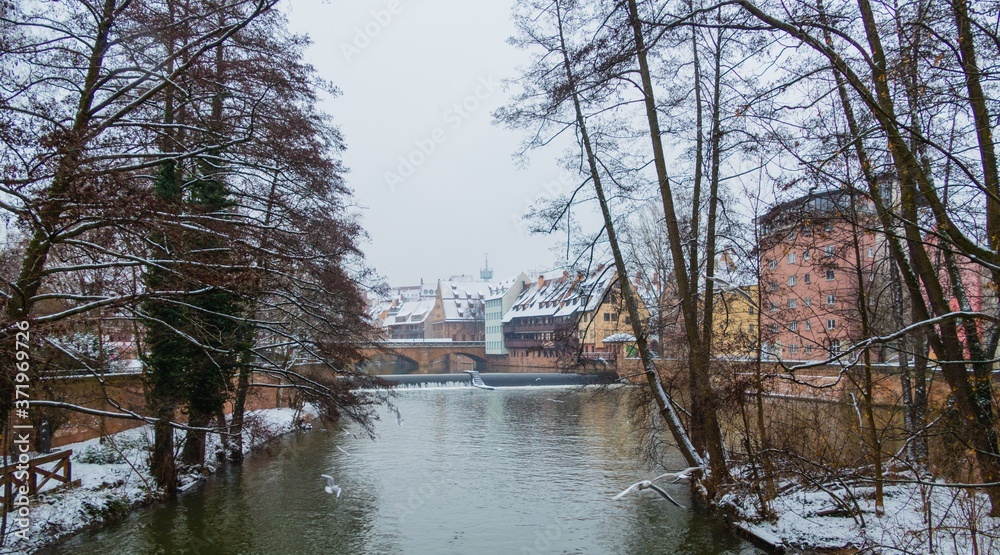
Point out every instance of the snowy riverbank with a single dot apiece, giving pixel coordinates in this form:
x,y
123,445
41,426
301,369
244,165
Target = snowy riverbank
x,y
115,477
918,518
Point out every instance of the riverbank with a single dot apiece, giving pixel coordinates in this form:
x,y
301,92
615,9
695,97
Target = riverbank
x,y
511,427
919,517
114,478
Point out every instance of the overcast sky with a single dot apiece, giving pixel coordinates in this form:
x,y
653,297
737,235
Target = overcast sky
x,y
420,80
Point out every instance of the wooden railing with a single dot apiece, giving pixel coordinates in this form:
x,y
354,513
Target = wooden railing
x,y
35,475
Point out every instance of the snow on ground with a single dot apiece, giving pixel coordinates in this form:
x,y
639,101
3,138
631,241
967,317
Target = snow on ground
x,y
114,477
811,518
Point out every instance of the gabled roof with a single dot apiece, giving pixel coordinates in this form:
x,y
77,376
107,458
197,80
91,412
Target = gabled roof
x,y
499,289
460,298
559,293
411,312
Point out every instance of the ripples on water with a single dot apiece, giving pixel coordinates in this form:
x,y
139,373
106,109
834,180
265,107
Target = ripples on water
x,y
508,471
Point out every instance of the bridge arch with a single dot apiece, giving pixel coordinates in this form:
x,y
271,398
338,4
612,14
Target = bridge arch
x,y
427,352
479,361
445,362
392,363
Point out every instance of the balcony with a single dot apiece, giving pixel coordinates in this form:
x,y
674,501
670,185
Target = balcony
x,y
524,343
529,328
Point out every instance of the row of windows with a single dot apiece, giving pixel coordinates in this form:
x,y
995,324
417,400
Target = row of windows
x,y
831,301
831,324
828,250
807,278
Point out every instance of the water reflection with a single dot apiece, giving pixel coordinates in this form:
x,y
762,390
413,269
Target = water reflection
x,y
469,471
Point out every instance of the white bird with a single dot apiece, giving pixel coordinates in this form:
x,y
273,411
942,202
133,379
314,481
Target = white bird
x,y
648,484
342,451
399,417
330,486
730,288
538,379
556,401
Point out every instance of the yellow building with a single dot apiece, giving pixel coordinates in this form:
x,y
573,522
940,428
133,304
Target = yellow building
x,y
735,323
608,317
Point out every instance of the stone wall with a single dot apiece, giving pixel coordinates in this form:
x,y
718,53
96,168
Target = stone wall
x,y
127,391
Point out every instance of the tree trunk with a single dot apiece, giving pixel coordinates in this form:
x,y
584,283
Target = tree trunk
x,y
161,464
194,443
663,401
19,306
707,426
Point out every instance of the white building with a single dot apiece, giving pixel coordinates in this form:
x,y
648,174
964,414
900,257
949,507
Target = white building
x,y
502,297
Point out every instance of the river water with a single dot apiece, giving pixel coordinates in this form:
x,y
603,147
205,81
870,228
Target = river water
x,y
510,471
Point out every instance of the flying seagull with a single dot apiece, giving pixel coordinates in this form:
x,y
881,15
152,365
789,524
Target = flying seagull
x,y
556,401
730,288
648,484
330,486
399,417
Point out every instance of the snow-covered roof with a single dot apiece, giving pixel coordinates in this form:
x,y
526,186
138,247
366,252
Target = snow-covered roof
x,y
410,312
619,338
499,289
559,293
463,300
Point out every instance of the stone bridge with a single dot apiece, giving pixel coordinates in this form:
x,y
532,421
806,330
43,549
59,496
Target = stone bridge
x,y
419,354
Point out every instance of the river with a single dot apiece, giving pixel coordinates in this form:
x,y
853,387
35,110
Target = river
x,y
509,471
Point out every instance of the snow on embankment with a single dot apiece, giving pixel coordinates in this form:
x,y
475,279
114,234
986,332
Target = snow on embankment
x,y
918,518
114,477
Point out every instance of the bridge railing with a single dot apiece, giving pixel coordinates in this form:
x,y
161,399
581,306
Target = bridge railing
x,y
431,343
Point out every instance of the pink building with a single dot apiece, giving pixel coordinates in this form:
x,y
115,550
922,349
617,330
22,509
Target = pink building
x,y
812,251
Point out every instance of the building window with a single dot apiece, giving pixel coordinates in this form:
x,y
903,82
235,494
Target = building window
x,y
828,226
792,303
791,235
807,278
831,300
774,328
809,325
793,349
774,307
831,324
830,249
830,275
607,316
772,264
751,310
809,349
805,254
791,281
793,326
808,301
773,286
791,258
752,328
871,252
806,232
834,346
